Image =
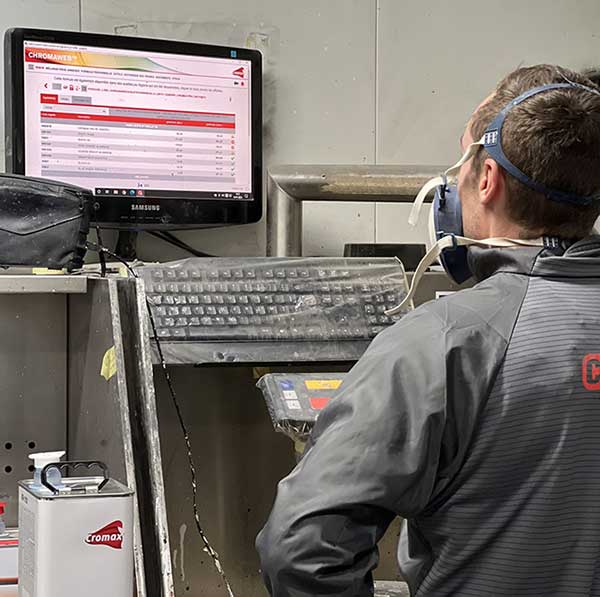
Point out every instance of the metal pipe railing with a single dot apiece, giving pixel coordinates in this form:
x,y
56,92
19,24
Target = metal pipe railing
x,y
289,186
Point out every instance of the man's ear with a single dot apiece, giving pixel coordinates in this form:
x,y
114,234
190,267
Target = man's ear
x,y
491,182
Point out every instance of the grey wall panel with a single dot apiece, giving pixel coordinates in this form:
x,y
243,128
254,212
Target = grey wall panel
x,y
48,14
328,226
319,85
437,60
392,224
33,375
239,459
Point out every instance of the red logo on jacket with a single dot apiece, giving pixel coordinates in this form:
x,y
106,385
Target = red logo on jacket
x,y
111,535
590,372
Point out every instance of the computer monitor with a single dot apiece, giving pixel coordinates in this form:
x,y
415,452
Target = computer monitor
x,y
167,134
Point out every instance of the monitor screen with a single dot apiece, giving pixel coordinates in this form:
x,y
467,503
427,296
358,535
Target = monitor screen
x,y
166,134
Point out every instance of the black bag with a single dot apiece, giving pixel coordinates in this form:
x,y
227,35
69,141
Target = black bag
x,y
43,223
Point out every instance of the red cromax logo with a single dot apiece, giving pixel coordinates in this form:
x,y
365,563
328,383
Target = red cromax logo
x,y
111,535
239,72
590,372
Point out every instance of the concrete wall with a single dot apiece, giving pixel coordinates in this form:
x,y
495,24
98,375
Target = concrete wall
x,y
438,60
350,81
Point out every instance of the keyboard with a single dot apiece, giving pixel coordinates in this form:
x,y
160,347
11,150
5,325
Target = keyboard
x,y
273,299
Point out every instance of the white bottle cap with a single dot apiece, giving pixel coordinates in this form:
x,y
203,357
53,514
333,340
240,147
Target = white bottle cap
x,y
41,459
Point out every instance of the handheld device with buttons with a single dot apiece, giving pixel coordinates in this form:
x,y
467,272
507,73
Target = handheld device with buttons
x,y
294,400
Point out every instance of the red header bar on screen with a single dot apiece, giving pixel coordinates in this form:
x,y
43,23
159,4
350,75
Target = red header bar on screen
x,y
137,120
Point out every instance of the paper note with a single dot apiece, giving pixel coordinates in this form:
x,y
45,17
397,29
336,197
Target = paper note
x,y
109,364
44,271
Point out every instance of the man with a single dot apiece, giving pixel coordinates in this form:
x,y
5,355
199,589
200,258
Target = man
x,y
476,418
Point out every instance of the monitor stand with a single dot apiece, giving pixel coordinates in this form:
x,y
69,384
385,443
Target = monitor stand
x,y
127,245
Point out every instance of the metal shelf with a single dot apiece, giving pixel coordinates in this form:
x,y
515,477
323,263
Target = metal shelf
x,y
32,284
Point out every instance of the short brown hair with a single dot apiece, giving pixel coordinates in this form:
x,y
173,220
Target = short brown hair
x,y
554,138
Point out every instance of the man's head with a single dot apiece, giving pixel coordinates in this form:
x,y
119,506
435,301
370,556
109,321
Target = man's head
x,y
554,138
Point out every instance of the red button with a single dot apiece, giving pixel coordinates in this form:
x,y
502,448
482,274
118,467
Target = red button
x,y
319,403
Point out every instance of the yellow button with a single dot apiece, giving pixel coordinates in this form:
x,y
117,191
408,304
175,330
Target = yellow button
x,y
323,384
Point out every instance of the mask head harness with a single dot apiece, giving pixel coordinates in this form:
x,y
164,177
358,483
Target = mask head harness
x,y
492,143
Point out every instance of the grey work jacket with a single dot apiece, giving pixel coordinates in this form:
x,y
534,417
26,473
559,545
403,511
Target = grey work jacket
x,y
477,419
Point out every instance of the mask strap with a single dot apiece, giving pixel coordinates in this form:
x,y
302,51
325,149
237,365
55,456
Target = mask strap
x,y
417,205
449,174
447,242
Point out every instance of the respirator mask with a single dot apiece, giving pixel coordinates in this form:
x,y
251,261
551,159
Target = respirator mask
x,y
448,243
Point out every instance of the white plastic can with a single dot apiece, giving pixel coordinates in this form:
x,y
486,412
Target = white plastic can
x,y
76,540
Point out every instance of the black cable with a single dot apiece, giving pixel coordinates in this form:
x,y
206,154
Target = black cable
x,y
186,435
101,255
171,238
177,242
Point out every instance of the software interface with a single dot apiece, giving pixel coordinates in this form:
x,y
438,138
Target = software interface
x,y
131,123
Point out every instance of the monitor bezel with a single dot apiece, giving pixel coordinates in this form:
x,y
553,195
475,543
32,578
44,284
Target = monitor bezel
x,y
173,214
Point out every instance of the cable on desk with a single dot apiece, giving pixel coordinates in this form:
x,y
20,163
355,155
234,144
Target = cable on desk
x,y
186,435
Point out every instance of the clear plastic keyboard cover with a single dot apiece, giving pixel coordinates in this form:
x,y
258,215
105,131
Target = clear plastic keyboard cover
x,y
271,309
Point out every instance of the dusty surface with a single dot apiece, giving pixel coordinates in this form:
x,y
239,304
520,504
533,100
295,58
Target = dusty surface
x,y
391,589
